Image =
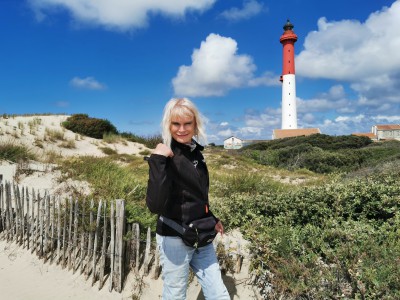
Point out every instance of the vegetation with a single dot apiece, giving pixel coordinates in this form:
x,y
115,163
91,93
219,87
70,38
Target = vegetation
x,y
322,213
110,180
149,141
92,127
14,152
323,154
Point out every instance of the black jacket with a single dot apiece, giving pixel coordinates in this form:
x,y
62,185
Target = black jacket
x,y
178,186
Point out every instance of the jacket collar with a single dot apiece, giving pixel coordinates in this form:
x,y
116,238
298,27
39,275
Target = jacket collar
x,y
175,144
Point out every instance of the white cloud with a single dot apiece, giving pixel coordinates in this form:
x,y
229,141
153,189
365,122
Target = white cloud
x,y
351,50
387,119
216,68
225,133
89,83
250,8
319,105
224,124
308,118
267,79
364,54
119,14
250,131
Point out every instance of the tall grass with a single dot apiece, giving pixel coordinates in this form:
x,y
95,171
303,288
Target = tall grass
x,y
109,180
150,141
10,150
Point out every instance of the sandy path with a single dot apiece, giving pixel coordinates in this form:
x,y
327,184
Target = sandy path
x,y
24,276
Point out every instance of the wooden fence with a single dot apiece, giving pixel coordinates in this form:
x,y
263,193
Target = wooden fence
x,y
83,236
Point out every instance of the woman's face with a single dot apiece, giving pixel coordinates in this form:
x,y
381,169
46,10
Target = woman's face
x,y
183,129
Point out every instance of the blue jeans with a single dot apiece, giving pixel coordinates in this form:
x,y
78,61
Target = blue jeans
x,y
176,257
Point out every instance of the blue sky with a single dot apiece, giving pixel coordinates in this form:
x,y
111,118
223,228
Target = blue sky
x,y
122,60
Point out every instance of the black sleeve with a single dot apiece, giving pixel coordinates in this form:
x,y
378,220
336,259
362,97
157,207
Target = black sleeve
x,y
158,184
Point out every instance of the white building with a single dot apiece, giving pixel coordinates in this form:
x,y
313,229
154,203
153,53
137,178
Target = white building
x,y
233,143
236,143
386,131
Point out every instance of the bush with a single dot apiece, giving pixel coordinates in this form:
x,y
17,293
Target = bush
x,y
335,240
15,153
322,153
92,127
149,141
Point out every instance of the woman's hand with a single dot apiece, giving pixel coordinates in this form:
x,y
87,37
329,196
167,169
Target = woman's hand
x,y
219,228
164,150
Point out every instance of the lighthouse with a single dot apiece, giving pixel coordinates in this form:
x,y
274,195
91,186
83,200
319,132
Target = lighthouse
x,y
288,79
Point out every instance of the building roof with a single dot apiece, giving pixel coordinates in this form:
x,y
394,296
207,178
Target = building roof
x,y
284,133
388,127
367,134
232,137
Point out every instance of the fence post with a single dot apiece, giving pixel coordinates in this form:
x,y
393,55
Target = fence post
x,y
157,267
46,225
64,247
147,255
239,258
71,210
103,248
137,263
2,215
52,221
83,237
10,213
75,247
112,245
40,236
58,229
96,234
33,227
119,245
90,239
28,220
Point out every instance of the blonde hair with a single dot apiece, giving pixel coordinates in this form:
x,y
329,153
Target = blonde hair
x,y
181,107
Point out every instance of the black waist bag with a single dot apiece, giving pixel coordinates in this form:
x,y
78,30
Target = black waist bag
x,y
198,233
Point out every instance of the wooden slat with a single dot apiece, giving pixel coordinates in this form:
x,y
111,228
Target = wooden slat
x,y
83,237
64,237
112,245
147,254
58,230
70,223
53,228
96,236
40,236
137,263
75,238
33,228
119,236
28,220
103,248
90,240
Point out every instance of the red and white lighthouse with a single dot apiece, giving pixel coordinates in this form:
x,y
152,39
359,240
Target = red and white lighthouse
x,y
288,79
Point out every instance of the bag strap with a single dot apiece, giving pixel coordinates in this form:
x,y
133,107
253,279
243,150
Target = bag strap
x,y
171,223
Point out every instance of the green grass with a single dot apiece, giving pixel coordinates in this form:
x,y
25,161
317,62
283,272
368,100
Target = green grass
x,y
14,152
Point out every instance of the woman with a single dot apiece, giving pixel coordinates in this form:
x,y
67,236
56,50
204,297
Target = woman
x,y
178,189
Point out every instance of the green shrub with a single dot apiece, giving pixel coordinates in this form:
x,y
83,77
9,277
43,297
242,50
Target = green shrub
x,y
336,240
92,127
108,150
111,181
11,151
149,141
322,153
